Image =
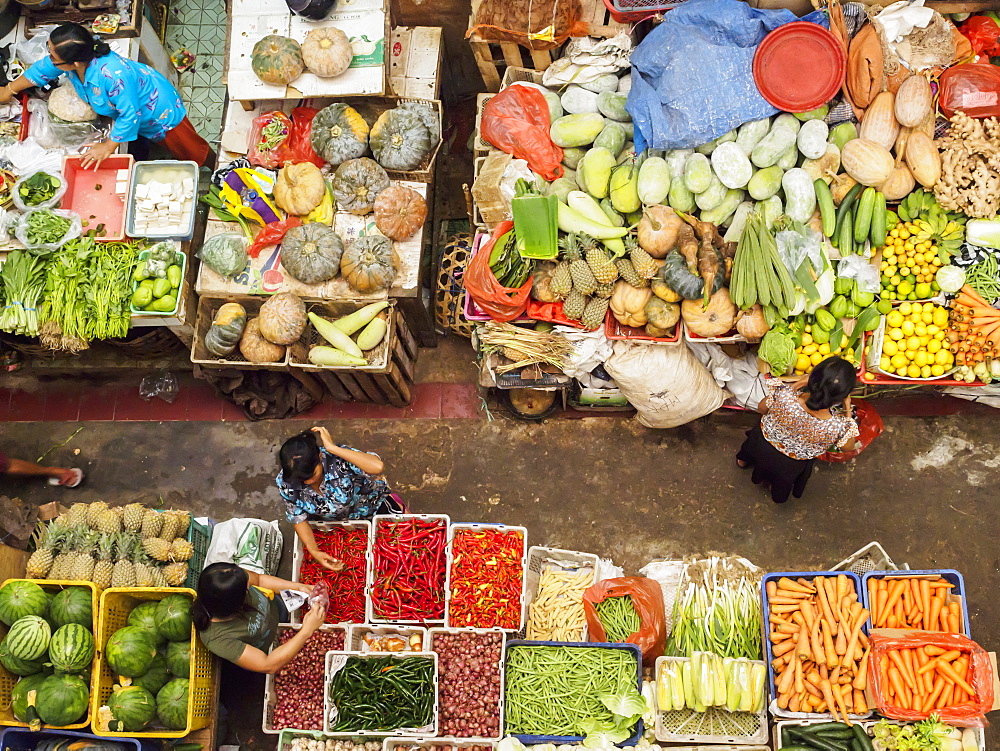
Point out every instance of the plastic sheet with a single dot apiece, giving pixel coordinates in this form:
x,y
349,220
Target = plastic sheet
x,y
983,34
300,141
22,206
501,303
272,234
973,88
516,121
647,599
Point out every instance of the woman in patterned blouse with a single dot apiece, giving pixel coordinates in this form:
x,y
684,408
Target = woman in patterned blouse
x,y
801,421
324,481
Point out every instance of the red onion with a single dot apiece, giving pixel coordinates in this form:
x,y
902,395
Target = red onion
x,y
300,685
468,685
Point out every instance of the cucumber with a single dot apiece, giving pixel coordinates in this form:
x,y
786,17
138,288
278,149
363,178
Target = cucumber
x,y
845,239
862,738
846,204
822,727
808,739
826,208
795,747
879,230
863,217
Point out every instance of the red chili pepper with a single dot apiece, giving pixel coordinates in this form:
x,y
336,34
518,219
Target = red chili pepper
x,y
408,569
347,586
487,574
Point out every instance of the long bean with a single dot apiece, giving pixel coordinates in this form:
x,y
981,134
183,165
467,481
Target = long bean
x,y
619,618
554,690
984,277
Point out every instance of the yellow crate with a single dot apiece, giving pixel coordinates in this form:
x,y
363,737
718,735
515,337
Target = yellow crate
x,y
8,679
116,604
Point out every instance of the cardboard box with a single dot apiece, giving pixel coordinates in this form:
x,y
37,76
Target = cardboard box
x,y
415,61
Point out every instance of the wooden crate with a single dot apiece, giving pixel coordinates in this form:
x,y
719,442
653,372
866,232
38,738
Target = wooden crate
x,y
207,308
494,57
599,21
378,358
393,386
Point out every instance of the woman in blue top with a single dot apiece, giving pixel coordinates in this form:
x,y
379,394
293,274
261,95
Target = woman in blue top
x,y
323,481
139,99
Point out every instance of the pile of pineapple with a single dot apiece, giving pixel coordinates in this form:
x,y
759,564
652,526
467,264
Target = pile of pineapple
x,y
124,546
584,278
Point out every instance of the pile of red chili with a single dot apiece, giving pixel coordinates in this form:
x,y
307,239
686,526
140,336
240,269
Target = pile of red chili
x,y
347,586
299,686
486,578
408,569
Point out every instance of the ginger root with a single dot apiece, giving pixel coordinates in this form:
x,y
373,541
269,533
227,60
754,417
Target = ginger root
x,y
970,167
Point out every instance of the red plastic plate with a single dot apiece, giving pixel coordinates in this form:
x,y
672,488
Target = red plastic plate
x,y
799,66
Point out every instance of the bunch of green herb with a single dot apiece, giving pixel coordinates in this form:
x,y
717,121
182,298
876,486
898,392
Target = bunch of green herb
x,y
272,136
38,188
22,279
510,269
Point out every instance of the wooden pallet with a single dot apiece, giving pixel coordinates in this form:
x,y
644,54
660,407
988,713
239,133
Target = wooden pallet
x,y
599,21
393,386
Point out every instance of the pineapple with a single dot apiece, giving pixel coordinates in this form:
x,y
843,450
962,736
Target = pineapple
x,y
575,304
599,261
132,517
176,573
109,522
123,574
605,290
584,280
77,515
152,523
561,281
181,550
159,576
170,524
143,571
183,522
643,263
157,548
570,245
104,568
82,568
61,565
94,512
47,540
629,274
593,314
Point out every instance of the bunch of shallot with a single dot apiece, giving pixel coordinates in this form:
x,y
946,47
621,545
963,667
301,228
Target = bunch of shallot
x,y
299,685
468,684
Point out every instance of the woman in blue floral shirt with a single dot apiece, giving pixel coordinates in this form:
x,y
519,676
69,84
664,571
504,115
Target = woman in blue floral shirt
x,y
323,481
141,101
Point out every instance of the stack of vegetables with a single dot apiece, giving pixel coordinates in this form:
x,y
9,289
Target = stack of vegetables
x,y
157,280
408,569
299,687
469,683
370,323
914,602
556,613
382,693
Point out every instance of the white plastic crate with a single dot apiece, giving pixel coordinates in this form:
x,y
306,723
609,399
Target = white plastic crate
x,y
872,557
431,632
333,657
537,555
298,553
866,724
715,725
458,526
392,744
270,698
357,631
369,604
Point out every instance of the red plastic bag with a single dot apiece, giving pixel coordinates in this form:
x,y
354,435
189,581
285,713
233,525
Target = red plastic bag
x,y
973,88
271,234
969,714
516,121
277,152
501,303
983,34
647,598
870,427
300,141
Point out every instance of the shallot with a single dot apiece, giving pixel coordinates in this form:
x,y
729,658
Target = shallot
x,y
299,686
468,684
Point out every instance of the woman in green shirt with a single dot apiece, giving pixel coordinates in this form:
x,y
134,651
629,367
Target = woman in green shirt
x,y
237,620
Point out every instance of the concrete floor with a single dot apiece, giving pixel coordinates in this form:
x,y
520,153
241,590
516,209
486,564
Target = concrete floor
x,y
925,490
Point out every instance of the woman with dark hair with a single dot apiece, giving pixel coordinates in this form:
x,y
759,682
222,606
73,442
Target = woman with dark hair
x,y
237,620
801,421
141,101
324,481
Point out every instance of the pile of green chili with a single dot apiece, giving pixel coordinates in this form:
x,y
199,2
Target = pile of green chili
x,y
553,690
618,617
382,693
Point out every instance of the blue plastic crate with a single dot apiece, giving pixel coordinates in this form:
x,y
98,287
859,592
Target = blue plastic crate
x,y
559,739
766,624
950,575
22,739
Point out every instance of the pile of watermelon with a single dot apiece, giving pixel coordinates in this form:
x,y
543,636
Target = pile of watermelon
x,y
151,655
50,644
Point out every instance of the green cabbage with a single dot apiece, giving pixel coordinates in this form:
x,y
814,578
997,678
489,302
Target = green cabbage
x,y
777,349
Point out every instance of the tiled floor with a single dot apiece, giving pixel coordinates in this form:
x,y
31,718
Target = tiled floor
x,y
200,26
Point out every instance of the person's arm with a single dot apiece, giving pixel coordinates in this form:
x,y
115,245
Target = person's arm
x,y
123,96
260,662
275,584
305,533
30,469
42,72
365,462
762,406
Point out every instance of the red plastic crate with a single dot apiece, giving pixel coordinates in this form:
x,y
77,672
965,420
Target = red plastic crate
x,y
103,206
614,330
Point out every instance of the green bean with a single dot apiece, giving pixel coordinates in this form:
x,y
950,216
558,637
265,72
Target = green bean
x,y
619,618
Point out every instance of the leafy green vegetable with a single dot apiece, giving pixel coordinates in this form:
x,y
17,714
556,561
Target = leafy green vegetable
x,y
45,227
22,279
628,704
777,349
38,188
926,735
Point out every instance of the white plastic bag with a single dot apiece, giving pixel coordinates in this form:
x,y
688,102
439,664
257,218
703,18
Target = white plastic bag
x,y
667,385
861,270
590,349
739,376
253,544
29,51
56,197
44,249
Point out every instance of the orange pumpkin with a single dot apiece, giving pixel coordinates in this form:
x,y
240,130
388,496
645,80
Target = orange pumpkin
x,y
400,212
712,320
369,264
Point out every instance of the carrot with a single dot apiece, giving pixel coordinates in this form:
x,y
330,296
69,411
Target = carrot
x,y
840,643
931,624
843,585
817,642
942,584
907,655
831,653
794,704
785,601
860,704
892,622
787,628
925,596
823,602
948,671
781,592
931,700
895,592
787,679
786,583
799,683
883,600
782,701
860,618
827,688
838,696
946,697
803,650
783,648
933,650
784,608
777,636
897,660
896,681
811,687
954,624
873,590
861,679
808,614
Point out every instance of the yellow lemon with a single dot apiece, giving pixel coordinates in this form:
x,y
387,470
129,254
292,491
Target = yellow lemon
x,y
885,363
907,328
894,233
906,308
925,372
824,348
933,346
816,358
937,370
909,354
898,361
913,344
802,363
920,358
810,349
913,371
920,330
942,357
889,347
924,340
932,329
869,376
940,335
940,317
896,334
895,318
807,338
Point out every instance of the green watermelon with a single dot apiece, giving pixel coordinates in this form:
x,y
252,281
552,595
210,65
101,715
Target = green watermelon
x,y
18,666
179,658
133,708
173,617
71,648
19,598
72,605
130,651
62,700
19,697
156,677
172,704
144,616
29,637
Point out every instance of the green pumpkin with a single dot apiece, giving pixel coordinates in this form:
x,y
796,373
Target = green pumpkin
x,y
400,140
311,253
356,183
369,264
339,133
661,314
277,60
682,281
226,329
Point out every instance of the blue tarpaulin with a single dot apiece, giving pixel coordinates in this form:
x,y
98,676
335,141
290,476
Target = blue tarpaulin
x,y
692,76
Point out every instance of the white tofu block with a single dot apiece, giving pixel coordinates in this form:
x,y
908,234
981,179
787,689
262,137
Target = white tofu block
x,y
141,191
122,175
188,184
175,207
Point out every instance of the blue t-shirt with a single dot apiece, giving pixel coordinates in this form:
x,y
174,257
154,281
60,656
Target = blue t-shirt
x,y
345,492
141,100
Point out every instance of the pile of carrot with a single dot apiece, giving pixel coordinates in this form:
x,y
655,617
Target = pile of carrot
x,y
974,328
926,678
914,602
820,654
